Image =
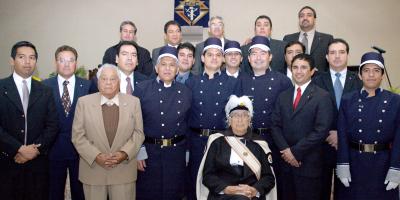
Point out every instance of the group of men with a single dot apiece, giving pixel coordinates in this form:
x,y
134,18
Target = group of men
x,y
139,128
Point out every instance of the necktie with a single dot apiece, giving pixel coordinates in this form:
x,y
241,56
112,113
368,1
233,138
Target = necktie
x,y
338,88
65,100
129,89
297,99
25,101
305,42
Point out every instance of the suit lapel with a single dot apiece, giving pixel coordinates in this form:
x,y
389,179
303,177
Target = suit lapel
x,y
326,78
98,117
56,92
11,91
36,92
78,90
304,98
348,84
315,42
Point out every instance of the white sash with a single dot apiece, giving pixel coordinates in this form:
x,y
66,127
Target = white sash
x,y
245,154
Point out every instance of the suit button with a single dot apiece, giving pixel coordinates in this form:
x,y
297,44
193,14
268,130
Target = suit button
x,y
23,116
22,131
360,131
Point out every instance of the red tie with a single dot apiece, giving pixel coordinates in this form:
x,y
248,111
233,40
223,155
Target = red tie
x,y
297,99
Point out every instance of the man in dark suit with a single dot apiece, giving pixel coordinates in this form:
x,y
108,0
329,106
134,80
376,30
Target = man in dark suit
x,y
127,61
316,43
300,123
263,27
337,81
128,31
292,49
67,88
28,127
216,30
172,35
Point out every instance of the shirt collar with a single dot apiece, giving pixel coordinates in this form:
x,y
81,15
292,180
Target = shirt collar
x,y
19,79
303,87
342,73
165,85
236,74
309,33
124,76
61,79
216,73
114,100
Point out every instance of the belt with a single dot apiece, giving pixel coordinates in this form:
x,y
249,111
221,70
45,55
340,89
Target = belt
x,y
164,142
262,131
369,148
205,132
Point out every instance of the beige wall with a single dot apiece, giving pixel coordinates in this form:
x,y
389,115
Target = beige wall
x,y
91,26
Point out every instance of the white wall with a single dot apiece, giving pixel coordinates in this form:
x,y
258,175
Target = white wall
x,y
91,26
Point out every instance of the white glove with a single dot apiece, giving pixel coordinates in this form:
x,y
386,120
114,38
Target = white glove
x,y
391,185
142,155
346,181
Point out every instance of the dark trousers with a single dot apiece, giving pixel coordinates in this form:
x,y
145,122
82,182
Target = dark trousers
x,y
58,175
164,175
197,147
327,172
297,187
23,182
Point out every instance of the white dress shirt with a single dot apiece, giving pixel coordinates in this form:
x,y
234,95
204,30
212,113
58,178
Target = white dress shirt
x,y
70,86
124,83
302,88
342,78
18,82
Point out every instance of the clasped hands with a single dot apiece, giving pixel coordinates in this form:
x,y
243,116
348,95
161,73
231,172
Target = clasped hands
x,y
110,160
288,156
26,153
241,189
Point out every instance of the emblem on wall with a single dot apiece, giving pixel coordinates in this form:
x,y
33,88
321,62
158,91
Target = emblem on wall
x,y
192,12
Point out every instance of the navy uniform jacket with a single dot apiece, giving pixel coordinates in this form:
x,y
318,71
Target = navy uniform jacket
x,y
369,120
304,129
264,91
145,65
42,123
318,48
137,76
164,110
278,56
63,147
209,99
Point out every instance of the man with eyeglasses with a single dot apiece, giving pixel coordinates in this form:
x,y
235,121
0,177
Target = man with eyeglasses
x,y
67,88
216,30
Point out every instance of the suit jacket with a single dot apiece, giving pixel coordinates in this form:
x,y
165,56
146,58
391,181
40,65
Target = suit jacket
x,y
198,67
278,56
324,81
137,76
63,147
90,139
145,65
318,50
42,123
154,54
304,129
